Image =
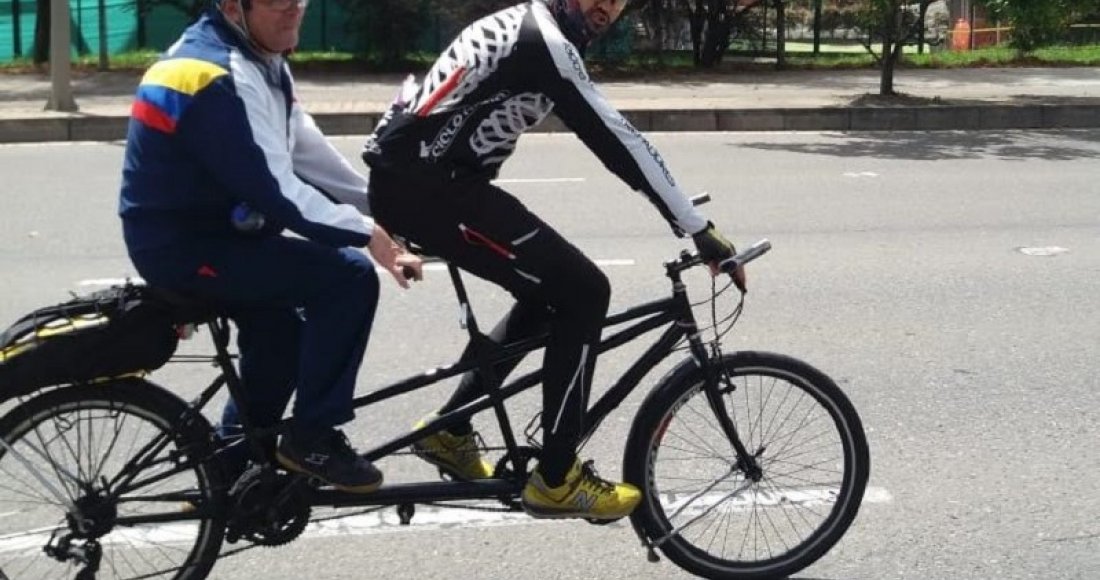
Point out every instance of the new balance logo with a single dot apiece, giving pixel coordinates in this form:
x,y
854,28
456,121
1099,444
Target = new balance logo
x,y
316,459
584,501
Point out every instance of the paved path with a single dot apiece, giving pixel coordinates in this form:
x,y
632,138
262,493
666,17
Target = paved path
x,y
810,100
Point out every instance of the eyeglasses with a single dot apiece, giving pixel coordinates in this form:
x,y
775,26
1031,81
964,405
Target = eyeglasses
x,y
283,5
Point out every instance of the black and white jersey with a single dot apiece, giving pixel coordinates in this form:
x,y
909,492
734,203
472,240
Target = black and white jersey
x,y
503,75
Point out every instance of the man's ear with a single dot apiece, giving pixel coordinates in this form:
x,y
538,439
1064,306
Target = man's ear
x,y
233,10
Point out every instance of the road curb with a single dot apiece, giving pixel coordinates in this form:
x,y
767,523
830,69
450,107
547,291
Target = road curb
x,y
928,118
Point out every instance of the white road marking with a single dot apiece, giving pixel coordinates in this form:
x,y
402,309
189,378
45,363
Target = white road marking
x,y
426,518
612,262
860,174
1043,251
542,180
110,281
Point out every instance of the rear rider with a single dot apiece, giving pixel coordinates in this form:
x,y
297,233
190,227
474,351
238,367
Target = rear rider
x,y
432,159
220,160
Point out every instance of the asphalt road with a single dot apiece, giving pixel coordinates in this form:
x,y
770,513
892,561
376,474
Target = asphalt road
x,y
947,281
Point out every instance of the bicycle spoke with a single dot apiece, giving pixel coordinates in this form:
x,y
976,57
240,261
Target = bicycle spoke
x,y
80,444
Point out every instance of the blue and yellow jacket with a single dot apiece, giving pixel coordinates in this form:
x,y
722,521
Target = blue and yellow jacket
x,y
215,125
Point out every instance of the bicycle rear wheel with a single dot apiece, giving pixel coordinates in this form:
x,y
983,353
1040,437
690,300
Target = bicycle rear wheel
x,y
699,506
110,480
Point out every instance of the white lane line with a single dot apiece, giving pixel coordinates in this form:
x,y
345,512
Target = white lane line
x,y
427,518
110,281
542,180
386,521
608,263
860,174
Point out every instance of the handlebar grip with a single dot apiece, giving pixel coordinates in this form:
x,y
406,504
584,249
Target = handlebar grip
x,y
700,199
408,272
755,251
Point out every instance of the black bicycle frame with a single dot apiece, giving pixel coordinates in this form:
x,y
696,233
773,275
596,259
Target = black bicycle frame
x,y
674,311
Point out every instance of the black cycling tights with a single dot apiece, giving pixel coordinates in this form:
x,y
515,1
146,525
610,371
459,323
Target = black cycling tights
x,y
488,232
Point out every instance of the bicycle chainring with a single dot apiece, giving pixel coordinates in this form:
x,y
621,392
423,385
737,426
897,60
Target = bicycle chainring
x,y
506,467
270,508
517,471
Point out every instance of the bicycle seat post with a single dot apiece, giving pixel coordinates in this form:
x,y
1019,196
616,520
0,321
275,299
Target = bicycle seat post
x,y
466,314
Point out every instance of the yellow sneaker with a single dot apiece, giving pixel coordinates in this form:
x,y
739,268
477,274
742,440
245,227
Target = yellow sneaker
x,y
457,455
583,495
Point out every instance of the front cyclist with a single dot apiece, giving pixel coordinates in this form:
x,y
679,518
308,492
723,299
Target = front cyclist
x,y
432,160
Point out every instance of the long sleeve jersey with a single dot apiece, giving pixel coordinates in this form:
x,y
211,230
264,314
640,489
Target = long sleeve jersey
x,y
214,125
501,76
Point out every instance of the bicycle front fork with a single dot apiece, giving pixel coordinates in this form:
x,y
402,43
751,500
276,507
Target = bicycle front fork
x,y
716,377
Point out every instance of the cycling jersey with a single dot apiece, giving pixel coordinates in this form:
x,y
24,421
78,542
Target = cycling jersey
x,y
215,125
503,75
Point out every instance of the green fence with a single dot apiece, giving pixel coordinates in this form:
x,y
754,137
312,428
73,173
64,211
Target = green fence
x,y
323,28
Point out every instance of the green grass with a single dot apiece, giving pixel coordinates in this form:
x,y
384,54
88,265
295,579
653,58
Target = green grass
x,y
798,57
138,59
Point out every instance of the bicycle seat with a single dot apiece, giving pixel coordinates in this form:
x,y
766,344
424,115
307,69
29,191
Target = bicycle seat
x,y
185,308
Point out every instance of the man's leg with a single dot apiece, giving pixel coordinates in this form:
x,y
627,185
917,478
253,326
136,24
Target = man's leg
x,y
337,291
269,341
486,231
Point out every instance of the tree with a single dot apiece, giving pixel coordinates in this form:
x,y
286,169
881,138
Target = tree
x,y
712,24
892,24
388,29
1038,24
192,8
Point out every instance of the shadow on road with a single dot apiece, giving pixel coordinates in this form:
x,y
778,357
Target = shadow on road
x,y
932,146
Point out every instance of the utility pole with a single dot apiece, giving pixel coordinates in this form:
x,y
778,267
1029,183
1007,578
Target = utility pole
x,y
16,32
61,89
104,62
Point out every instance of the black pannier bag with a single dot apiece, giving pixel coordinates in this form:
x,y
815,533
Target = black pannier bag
x,y
113,332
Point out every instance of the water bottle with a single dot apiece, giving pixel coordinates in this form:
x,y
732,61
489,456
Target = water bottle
x,y
246,219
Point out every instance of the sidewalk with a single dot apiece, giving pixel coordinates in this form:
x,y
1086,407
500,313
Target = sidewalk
x,y
956,99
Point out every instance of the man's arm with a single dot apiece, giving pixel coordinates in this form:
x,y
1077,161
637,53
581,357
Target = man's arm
x,y
319,163
621,148
234,136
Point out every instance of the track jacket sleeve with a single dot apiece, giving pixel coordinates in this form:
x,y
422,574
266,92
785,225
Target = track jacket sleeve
x,y
621,148
233,129
319,163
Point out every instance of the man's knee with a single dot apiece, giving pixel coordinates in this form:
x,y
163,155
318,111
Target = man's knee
x,y
587,293
364,277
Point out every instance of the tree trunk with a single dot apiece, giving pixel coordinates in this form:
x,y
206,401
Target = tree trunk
x,y
886,85
697,19
892,43
42,32
780,35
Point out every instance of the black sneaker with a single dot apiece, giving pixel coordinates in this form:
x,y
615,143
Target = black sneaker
x,y
331,459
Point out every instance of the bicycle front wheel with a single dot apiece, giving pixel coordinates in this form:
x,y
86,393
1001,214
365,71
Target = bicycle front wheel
x,y
704,510
110,480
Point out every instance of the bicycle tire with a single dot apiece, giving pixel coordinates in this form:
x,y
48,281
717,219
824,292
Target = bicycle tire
x,y
68,447
665,449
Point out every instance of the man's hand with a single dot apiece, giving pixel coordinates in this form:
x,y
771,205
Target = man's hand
x,y
394,257
715,248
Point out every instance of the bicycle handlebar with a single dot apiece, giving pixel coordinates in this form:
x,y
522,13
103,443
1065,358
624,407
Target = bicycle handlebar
x,y
755,251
